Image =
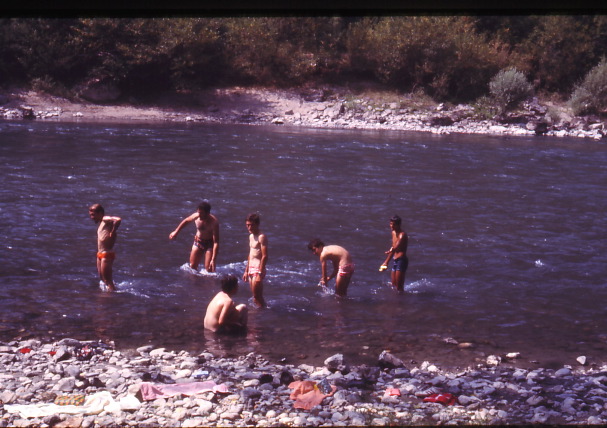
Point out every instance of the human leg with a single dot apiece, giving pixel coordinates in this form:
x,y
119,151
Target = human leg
x,y
341,284
257,290
208,255
107,274
195,257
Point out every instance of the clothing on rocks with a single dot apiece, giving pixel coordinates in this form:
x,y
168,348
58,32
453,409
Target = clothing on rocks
x,y
307,394
151,391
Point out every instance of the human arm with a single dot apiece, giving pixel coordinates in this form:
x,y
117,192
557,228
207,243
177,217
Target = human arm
x,y
263,241
185,221
212,264
114,222
384,265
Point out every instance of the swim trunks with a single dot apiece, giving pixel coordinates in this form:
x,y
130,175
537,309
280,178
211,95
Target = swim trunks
x,y
203,244
401,264
108,255
254,270
346,270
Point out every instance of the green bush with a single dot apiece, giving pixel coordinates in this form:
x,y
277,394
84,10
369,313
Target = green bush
x,y
509,88
590,96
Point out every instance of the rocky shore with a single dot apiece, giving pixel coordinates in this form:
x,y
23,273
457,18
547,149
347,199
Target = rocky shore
x,y
316,108
90,384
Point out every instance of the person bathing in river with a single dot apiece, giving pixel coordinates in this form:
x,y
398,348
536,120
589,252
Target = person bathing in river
x,y
257,260
398,250
343,268
223,316
106,238
206,240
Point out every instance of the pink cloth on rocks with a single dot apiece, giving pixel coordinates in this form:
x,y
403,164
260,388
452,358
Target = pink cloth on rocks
x,y
152,391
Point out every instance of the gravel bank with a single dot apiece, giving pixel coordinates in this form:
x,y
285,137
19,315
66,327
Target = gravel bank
x,y
116,385
315,108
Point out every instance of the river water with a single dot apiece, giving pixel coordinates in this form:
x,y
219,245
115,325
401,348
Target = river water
x,y
507,247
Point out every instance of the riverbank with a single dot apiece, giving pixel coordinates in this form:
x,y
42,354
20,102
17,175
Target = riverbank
x,y
154,387
317,108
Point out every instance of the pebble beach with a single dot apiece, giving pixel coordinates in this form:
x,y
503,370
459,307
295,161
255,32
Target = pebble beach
x,y
111,387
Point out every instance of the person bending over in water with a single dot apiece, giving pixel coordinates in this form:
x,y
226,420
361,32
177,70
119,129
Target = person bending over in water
x,y
343,268
398,250
106,238
258,258
223,316
206,240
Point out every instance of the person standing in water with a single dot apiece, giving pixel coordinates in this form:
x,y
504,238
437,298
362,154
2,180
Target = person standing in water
x,y
106,238
257,260
206,240
343,268
398,250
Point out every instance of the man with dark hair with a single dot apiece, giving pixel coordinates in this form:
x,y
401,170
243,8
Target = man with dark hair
x,y
222,315
398,250
255,270
206,240
343,268
106,238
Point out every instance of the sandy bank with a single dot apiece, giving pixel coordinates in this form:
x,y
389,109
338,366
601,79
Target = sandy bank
x,y
316,108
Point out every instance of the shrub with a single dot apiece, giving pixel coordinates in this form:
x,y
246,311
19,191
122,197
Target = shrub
x,y
509,88
590,95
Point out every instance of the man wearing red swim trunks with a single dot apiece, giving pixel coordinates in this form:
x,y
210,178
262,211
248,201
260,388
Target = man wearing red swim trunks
x,y
343,268
206,240
106,238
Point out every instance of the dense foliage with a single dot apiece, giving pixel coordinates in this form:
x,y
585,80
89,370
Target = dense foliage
x,y
590,96
509,88
451,58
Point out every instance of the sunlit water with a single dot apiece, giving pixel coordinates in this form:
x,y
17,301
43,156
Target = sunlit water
x,y
508,245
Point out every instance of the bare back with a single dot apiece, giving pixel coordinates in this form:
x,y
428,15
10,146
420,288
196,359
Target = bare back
x,y
400,241
336,254
105,239
221,312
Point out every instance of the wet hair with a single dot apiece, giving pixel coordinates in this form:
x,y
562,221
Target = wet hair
x,y
97,208
396,220
204,206
229,284
254,218
315,243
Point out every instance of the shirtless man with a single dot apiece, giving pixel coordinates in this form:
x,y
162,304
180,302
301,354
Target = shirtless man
x,y
343,268
258,258
106,238
398,250
206,240
223,316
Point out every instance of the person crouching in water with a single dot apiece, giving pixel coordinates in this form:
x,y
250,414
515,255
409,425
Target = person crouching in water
x,y
223,316
343,268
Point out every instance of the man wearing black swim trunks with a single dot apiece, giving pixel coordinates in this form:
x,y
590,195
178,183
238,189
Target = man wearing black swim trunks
x,y
398,250
206,240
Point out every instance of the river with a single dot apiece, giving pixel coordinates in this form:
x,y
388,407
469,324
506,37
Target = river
x,y
507,239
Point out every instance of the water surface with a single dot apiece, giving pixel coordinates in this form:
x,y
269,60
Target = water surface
x,y
507,239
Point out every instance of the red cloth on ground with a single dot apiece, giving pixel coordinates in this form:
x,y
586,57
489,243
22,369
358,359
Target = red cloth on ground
x,y
445,398
307,395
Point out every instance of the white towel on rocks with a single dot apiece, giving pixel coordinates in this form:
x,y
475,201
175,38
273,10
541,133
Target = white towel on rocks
x,y
93,405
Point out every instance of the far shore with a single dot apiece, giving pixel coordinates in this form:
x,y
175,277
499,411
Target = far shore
x,y
332,108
